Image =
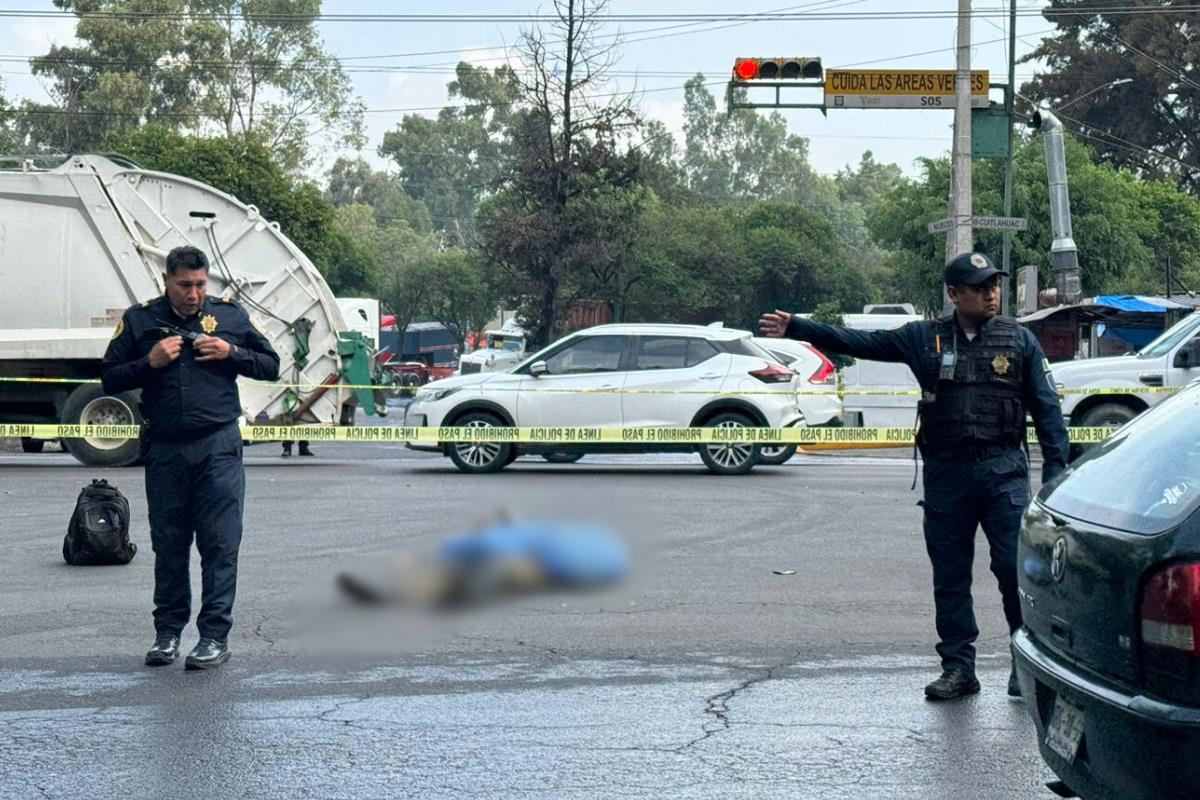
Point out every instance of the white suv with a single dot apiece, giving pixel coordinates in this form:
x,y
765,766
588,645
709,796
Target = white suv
x,y
819,401
720,377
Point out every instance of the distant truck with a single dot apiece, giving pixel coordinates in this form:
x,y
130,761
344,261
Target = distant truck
x,y
502,349
431,343
82,242
1100,392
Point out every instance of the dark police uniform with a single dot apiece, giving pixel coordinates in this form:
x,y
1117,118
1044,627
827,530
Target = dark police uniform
x,y
975,395
195,481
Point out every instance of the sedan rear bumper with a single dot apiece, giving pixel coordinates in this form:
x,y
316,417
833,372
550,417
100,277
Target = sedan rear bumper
x,y
1133,746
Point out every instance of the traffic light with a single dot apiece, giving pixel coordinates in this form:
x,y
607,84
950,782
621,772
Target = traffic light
x,y
777,69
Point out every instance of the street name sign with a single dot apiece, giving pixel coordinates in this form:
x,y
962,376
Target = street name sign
x,y
982,223
900,88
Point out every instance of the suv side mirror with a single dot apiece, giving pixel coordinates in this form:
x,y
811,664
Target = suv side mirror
x,y
538,368
1188,356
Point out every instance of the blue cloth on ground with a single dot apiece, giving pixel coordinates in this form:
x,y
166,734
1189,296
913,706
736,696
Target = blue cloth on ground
x,y
567,553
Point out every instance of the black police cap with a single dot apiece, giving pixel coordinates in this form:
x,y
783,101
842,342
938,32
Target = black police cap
x,y
970,268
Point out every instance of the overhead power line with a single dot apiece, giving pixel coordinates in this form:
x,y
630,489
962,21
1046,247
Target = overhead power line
x,y
646,17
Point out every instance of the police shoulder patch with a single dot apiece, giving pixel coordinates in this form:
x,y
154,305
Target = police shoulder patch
x,y
119,329
1045,365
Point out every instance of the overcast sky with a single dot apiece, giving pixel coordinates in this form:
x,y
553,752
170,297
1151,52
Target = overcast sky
x,y
656,58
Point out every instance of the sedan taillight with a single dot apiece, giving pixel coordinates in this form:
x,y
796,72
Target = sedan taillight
x,y
773,373
1171,609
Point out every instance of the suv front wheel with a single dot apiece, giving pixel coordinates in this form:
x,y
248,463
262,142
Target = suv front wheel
x,y
729,459
481,457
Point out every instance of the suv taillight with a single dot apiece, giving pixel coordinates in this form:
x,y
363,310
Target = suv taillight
x,y
825,373
773,373
1171,609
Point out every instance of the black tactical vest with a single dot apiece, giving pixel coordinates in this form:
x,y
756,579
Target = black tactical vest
x,y
982,404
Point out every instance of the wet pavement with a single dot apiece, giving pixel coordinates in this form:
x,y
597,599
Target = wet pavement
x,y
707,675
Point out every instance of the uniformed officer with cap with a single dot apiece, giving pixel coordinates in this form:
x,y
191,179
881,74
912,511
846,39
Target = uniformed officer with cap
x,y
185,351
980,374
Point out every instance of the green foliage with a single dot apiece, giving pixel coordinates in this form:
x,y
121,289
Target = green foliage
x,y
1146,124
240,67
353,181
451,162
1125,228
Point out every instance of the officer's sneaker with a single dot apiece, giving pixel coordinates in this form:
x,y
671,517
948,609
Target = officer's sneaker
x,y
207,654
164,652
953,684
1014,685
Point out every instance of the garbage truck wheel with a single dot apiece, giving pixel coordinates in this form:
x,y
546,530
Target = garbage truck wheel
x,y
89,405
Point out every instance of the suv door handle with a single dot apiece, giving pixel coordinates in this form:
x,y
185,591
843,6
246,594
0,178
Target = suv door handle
x,y
1151,378
709,376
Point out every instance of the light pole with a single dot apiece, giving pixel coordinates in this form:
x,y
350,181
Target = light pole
x,y
1090,92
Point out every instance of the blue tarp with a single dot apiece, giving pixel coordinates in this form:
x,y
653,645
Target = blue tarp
x,y
1128,302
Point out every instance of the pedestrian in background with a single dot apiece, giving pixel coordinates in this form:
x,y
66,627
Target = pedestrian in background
x,y
304,449
980,374
195,480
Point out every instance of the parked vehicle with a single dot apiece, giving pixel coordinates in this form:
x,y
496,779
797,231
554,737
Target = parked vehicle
x,y
818,400
1111,391
84,241
501,350
708,367
1109,579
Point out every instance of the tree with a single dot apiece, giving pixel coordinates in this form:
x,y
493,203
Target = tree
x,y
240,67
8,139
559,220
462,295
353,181
451,162
1147,124
743,157
1125,227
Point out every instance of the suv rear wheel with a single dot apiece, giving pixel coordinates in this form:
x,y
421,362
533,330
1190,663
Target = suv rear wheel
x,y
729,459
481,457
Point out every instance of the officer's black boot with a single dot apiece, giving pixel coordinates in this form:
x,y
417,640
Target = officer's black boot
x,y
207,654
954,683
304,451
287,450
164,652
1014,685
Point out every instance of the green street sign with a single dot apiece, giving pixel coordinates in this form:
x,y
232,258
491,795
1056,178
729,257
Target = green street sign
x,y
989,132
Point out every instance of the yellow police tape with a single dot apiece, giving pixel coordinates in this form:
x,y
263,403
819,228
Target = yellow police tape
x,y
841,392
837,437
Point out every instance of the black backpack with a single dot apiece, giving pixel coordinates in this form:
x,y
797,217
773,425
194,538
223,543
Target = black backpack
x,y
99,528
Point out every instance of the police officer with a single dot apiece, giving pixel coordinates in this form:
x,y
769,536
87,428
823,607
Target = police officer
x,y
185,351
980,374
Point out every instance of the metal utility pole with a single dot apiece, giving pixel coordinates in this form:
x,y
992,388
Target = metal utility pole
x,y
960,240
1009,97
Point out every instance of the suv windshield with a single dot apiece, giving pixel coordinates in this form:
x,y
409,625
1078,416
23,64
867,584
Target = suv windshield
x,y
1145,478
1165,343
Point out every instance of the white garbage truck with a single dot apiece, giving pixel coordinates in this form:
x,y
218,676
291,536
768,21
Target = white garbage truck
x,y
83,241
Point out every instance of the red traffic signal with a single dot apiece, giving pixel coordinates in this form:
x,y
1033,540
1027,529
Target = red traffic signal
x,y
777,69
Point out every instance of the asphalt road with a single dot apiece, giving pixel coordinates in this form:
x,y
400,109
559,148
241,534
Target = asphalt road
x,y
706,675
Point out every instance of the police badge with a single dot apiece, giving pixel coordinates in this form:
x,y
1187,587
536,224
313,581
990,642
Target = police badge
x,y
208,323
1000,365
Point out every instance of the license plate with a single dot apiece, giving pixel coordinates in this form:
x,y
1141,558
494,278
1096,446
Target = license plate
x,y
1065,730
